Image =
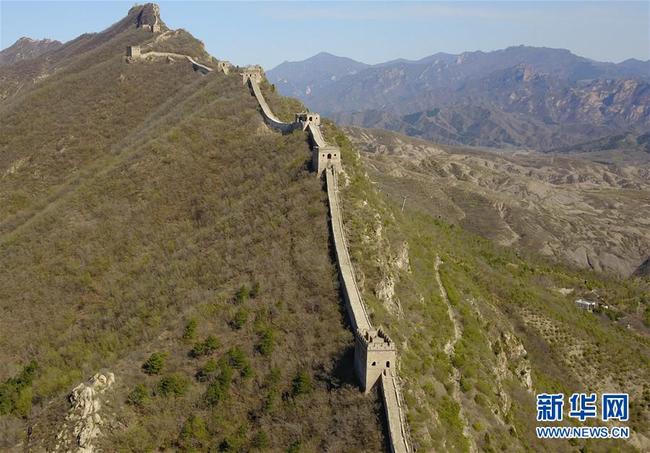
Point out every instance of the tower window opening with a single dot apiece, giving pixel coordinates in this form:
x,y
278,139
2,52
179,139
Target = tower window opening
x,y
329,156
387,364
374,363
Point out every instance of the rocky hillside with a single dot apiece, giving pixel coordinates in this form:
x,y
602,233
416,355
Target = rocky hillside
x,y
580,212
26,48
167,283
518,97
481,327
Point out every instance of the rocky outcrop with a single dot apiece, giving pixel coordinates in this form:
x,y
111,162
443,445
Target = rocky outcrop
x,y
148,17
83,422
643,270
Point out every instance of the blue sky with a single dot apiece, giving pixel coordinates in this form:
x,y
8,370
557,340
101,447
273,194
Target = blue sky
x,y
271,32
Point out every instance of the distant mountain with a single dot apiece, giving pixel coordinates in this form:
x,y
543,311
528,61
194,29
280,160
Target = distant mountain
x,y
517,97
300,78
26,48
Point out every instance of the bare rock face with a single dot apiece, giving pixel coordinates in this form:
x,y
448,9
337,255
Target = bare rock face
x,y
83,422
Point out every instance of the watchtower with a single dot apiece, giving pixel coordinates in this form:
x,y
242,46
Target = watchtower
x,y
327,156
224,66
305,118
374,354
133,51
255,73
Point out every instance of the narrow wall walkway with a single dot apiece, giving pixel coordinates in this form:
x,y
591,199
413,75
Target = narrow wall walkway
x,y
395,414
356,308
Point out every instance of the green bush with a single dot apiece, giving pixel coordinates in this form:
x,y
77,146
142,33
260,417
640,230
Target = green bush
x,y
194,434
190,330
172,385
206,371
236,358
155,363
16,393
138,396
218,389
206,347
240,319
260,441
302,383
267,344
294,447
242,294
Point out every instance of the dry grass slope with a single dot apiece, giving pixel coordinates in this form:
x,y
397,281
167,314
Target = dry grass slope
x,y
153,212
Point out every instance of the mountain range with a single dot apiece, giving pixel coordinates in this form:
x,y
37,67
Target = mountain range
x,y
519,97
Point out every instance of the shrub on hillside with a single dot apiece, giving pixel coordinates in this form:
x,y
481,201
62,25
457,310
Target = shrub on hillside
x,y
302,383
172,385
155,363
138,396
16,393
242,294
266,344
189,333
206,371
205,347
241,316
218,389
194,434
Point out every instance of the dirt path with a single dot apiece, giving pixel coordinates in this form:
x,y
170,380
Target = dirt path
x,y
449,350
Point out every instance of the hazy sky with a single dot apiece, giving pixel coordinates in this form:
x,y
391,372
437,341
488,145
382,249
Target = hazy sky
x,y
271,32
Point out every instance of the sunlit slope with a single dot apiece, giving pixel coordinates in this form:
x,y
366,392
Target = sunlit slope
x,y
141,199
482,328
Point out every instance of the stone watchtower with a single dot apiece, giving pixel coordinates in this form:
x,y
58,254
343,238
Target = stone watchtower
x,y
307,118
323,155
255,73
374,354
133,51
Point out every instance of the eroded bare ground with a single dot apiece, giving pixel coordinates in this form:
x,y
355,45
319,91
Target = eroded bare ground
x,y
590,214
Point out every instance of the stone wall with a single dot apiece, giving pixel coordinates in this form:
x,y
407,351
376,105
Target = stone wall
x,y
133,53
375,358
375,355
273,121
398,434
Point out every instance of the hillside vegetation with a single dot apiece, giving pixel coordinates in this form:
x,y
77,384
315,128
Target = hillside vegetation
x,y
482,327
153,227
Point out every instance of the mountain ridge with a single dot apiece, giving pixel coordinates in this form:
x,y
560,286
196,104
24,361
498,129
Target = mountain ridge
x,y
521,96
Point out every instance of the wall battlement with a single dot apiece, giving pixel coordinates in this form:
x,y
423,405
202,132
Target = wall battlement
x,y
375,354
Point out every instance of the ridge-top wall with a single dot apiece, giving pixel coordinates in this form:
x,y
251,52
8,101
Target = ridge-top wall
x,y
375,354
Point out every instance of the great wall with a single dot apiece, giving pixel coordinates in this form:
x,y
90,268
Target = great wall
x,y
375,354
